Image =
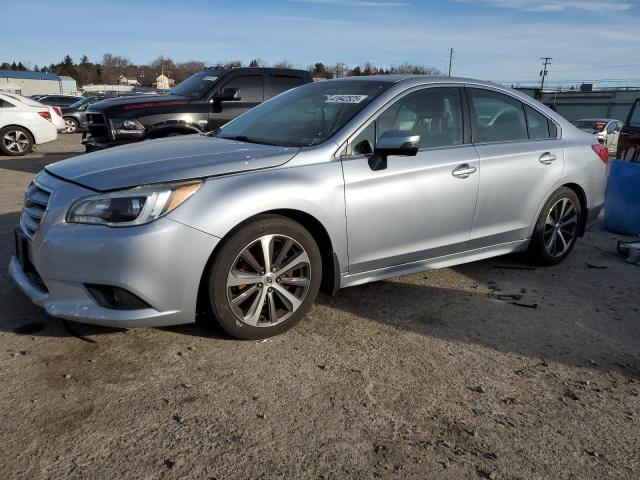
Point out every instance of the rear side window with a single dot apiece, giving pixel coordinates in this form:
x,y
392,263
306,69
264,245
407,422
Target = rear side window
x,y
537,124
282,83
250,88
498,117
5,104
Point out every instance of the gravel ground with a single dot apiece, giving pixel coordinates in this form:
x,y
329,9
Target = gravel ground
x,y
426,376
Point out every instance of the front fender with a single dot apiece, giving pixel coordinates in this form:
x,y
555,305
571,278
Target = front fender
x,y
159,129
224,202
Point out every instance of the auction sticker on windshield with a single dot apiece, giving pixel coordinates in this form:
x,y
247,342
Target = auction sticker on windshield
x,y
345,98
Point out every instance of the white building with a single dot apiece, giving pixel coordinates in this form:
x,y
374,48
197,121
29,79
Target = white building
x,y
30,83
128,81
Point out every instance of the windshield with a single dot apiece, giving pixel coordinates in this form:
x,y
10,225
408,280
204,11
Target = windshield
x,y
80,102
307,115
592,125
196,85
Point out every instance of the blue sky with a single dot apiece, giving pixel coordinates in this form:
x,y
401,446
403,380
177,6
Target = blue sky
x,y
498,40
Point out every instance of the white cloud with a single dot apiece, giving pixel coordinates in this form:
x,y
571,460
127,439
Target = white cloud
x,y
604,6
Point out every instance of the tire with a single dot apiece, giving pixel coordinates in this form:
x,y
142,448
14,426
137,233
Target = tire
x,y
557,228
266,303
15,141
71,125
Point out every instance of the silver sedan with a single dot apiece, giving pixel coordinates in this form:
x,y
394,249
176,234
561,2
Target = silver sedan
x,y
329,185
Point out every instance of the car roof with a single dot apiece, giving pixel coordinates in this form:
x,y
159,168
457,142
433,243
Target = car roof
x,y
418,79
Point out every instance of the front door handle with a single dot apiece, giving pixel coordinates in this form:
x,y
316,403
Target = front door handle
x,y
547,158
463,171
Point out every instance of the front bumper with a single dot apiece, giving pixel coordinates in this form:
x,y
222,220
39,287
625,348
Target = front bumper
x,y
161,263
92,144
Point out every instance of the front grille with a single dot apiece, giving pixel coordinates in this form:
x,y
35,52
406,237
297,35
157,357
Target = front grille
x,y
36,199
97,125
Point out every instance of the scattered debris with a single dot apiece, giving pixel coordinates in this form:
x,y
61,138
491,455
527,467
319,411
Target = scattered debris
x,y
261,416
178,418
630,250
478,389
597,267
67,376
525,304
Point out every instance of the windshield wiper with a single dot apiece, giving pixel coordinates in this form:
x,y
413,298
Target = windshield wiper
x,y
244,138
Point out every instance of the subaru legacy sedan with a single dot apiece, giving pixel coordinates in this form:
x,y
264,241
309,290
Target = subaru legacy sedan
x,y
329,185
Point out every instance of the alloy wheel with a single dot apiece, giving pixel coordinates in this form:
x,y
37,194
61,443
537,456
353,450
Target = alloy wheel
x,y
560,227
268,280
70,125
16,141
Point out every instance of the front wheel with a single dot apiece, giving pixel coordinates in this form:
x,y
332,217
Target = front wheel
x,y
264,278
557,228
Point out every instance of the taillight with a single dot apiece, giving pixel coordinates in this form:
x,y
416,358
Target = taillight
x,y
46,115
58,111
602,152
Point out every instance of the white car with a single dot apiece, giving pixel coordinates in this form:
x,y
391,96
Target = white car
x,y
25,123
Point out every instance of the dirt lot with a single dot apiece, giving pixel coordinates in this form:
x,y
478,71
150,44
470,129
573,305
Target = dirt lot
x,y
427,376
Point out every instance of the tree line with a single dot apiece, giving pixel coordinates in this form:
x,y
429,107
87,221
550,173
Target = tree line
x,y
112,67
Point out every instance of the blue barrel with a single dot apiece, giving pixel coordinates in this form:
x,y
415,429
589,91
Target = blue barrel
x,y
622,200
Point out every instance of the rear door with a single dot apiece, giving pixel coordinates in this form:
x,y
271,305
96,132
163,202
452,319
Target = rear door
x,y
521,159
250,90
629,140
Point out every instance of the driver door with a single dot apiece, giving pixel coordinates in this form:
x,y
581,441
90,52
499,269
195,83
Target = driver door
x,y
419,207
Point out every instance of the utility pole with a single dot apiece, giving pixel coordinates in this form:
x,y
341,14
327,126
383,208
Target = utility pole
x,y
450,59
544,71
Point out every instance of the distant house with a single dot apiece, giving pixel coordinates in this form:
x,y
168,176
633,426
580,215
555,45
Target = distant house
x,y
163,82
128,81
30,83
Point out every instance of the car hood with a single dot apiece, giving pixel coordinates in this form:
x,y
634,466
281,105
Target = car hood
x,y
168,159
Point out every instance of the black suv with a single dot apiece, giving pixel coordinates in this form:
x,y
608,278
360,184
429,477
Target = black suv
x,y
203,102
629,140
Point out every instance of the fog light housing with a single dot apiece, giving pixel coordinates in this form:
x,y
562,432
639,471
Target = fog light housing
x,y
116,298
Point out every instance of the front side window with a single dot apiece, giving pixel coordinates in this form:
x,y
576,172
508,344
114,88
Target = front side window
x,y
433,113
307,115
498,117
250,88
537,124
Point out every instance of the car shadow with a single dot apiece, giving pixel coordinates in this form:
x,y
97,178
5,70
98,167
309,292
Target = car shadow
x,y
32,163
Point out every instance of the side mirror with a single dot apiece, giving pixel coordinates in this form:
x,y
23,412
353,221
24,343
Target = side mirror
x,y
226,95
394,142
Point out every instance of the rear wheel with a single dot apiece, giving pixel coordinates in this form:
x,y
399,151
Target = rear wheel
x,y
557,228
264,278
15,141
71,125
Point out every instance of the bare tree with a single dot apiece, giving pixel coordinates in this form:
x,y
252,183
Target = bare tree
x,y
284,63
257,62
113,66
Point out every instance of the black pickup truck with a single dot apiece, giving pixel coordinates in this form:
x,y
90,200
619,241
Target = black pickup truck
x,y
203,102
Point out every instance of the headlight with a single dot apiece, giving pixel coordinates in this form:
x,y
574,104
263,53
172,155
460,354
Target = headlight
x,y
127,127
131,207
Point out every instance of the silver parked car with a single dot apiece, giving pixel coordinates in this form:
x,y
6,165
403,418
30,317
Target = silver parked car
x,y
328,185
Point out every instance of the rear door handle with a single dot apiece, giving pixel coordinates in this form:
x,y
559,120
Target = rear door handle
x,y
547,158
463,171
